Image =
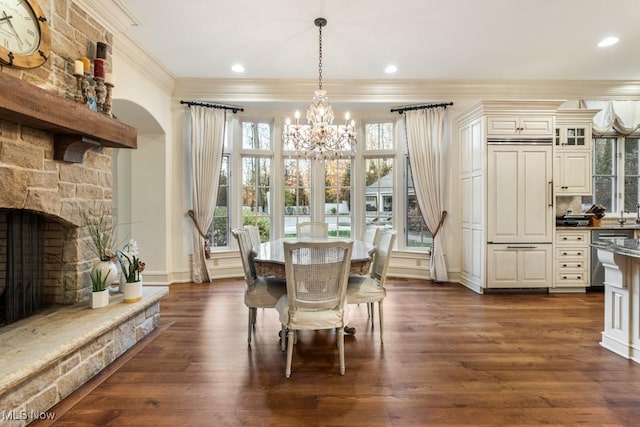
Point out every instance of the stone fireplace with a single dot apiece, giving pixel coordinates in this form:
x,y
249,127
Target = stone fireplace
x,y
37,184
55,164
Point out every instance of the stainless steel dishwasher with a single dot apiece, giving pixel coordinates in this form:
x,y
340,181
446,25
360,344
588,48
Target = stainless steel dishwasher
x,y
597,271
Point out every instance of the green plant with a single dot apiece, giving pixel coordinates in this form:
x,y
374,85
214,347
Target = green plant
x,y
98,283
101,228
131,266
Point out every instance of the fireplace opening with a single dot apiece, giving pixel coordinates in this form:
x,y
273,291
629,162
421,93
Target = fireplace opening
x,y
23,265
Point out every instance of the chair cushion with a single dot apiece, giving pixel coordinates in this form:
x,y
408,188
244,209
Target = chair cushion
x,y
265,292
364,289
310,319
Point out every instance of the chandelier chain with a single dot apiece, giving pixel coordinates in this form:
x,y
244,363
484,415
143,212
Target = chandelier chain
x,y
320,59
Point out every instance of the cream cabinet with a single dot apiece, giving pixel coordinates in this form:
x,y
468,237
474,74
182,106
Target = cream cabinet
x,y
572,165
572,258
519,265
520,125
506,184
520,197
572,172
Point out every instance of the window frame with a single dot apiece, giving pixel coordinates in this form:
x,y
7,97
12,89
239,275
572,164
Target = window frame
x,y
236,153
618,176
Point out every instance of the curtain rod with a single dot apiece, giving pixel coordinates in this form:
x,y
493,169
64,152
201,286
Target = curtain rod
x,y
401,110
206,104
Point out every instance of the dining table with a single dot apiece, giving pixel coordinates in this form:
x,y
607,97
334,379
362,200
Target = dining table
x,y
268,257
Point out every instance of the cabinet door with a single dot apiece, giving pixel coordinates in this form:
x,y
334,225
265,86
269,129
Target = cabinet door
x,y
535,125
574,137
572,172
503,125
519,194
519,266
520,126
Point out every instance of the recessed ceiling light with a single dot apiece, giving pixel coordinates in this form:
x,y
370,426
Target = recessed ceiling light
x,y
608,41
237,68
390,69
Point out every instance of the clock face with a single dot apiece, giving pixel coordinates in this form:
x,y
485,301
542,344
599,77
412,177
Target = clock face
x,y
24,34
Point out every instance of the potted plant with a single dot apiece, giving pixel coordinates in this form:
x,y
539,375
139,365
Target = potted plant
x,y
101,229
131,267
99,291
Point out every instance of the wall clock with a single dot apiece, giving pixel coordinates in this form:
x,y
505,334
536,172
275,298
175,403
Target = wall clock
x,y
24,34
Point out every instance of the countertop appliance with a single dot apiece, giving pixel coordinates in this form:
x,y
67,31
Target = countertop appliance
x,y
597,270
573,220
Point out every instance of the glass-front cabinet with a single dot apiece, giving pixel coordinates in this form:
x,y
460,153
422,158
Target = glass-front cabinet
x,y
572,164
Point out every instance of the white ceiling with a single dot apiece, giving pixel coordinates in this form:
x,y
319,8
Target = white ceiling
x,y
426,39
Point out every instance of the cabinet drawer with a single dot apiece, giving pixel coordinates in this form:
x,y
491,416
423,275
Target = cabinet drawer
x,y
572,265
573,237
571,278
572,253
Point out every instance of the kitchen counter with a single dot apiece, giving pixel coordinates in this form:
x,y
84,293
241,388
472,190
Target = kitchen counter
x,y
630,247
628,226
621,261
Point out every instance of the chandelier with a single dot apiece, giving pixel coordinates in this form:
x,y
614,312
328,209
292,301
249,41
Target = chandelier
x,y
320,139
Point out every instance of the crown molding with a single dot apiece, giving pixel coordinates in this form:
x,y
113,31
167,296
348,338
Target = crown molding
x,y
134,55
401,91
113,15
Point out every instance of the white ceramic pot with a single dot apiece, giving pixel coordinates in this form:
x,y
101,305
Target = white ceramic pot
x,y
108,267
100,299
132,291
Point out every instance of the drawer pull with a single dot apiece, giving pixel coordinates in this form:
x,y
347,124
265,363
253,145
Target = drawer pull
x,y
579,277
564,265
580,253
579,265
579,238
564,238
564,253
564,277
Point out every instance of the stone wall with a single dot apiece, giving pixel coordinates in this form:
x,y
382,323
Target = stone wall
x,y
32,180
73,34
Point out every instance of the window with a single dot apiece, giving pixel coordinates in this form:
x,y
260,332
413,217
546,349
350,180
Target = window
x,y
264,182
379,187
379,182
631,174
616,173
218,235
219,230
337,197
297,194
256,176
417,236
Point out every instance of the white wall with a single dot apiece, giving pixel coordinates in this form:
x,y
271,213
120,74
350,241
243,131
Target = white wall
x,y
144,178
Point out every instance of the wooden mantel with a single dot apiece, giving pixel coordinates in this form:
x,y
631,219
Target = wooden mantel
x,y
75,127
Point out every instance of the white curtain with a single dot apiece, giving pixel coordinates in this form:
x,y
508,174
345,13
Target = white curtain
x,y
207,145
425,134
622,117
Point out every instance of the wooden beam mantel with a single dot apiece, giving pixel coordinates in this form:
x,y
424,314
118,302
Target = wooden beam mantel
x,y
26,104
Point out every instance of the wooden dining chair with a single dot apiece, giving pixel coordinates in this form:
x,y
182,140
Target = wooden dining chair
x,y
312,229
369,289
259,292
370,234
317,274
254,234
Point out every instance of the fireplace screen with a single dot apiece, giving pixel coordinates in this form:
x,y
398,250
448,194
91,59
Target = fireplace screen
x,y
23,252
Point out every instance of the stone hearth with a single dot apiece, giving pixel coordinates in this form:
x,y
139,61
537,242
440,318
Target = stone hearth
x,y
47,356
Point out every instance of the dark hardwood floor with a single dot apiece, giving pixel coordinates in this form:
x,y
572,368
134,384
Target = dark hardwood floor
x,y
450,357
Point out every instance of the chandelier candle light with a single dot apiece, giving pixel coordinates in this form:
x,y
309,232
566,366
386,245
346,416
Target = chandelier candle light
x,y
320,139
